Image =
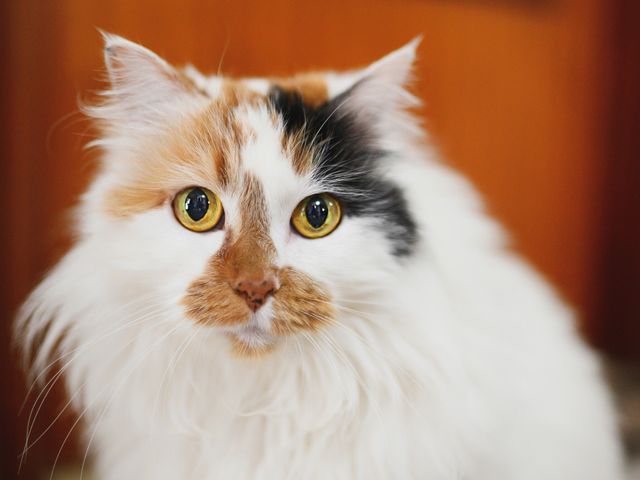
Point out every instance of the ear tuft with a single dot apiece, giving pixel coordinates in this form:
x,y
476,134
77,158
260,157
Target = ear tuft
x,y
394,69
144,89
126,60
378,94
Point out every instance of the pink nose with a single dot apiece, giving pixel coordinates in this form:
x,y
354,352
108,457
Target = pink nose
x,y
255,291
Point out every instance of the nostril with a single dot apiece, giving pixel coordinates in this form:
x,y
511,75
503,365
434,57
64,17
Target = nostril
x,y
254,291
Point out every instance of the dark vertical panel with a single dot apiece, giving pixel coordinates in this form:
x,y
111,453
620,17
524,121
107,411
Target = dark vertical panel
x,y
619,305
15,264
8,424
32,101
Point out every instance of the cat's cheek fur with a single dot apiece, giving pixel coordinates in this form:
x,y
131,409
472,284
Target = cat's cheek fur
x,y
355,259
301,304
210,300
157,240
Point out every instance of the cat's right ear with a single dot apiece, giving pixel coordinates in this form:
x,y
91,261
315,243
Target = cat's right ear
x,y
377,95
144,88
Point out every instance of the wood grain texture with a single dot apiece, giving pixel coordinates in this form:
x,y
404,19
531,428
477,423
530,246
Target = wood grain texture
x,y
517,96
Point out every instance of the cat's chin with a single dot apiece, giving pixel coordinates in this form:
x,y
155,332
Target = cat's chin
x,y
252,339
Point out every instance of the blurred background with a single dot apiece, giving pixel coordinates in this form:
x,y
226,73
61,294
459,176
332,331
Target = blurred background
x,y
537,101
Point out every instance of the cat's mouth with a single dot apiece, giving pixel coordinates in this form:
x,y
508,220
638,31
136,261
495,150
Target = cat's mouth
x,y
253,337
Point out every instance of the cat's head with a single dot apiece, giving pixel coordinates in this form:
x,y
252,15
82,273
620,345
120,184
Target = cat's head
x,y
261,208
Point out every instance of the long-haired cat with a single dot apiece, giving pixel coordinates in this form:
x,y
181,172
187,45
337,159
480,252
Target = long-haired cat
x,y
277,279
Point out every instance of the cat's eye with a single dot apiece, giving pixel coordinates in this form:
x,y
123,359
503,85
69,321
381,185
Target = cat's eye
x,y
316,216
197,209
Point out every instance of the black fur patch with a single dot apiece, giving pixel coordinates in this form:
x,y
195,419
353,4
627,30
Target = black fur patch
x,y
349,160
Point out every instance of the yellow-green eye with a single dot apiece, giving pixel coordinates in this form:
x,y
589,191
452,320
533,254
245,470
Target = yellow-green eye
x,y
197,209
316,216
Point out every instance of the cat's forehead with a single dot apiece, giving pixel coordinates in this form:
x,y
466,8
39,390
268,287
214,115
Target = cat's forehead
x,y
266,154
314,88
243,132
237,137
246,117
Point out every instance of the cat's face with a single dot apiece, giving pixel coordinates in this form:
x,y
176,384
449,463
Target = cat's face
x,y
256,207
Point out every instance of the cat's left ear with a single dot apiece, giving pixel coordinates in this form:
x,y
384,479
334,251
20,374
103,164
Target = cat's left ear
x,y
144,88
380,88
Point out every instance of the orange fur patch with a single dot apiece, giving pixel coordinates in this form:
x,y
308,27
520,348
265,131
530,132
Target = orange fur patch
x,y
301,155
312,87
130,200
242,349
203,150
253,252
210,300
300,304
235,92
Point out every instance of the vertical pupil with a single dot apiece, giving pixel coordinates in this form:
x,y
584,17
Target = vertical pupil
x,y
316,211
196,204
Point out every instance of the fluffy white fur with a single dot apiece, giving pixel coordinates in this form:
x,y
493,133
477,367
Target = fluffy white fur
x,y
456,362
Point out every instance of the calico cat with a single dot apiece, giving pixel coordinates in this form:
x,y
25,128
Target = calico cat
x,y
278,279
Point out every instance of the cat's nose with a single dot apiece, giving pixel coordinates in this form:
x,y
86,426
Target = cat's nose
x,y
254,291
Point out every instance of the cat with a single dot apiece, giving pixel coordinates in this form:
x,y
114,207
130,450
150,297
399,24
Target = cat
x,y
277,278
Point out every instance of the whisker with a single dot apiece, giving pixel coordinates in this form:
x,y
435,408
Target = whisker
x,y
175,358
95,429
120,383
139,320
340,353
340,105
45,369
50,384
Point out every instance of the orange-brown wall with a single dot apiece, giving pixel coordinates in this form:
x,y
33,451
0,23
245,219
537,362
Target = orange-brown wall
x,y
518,95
